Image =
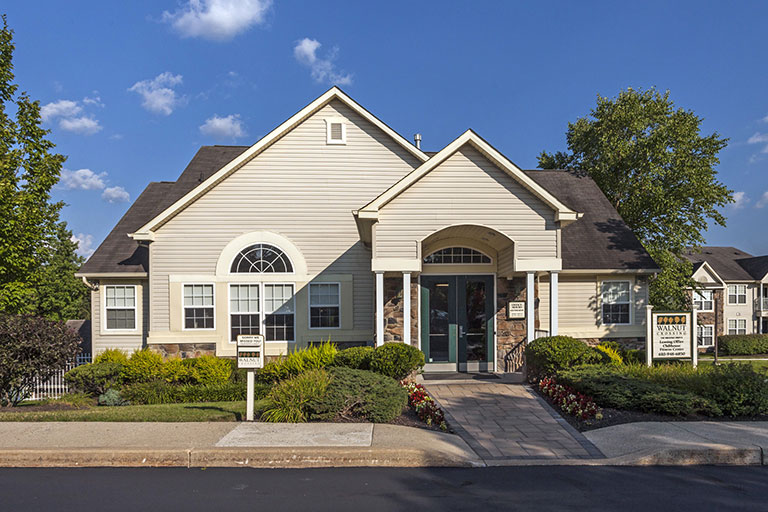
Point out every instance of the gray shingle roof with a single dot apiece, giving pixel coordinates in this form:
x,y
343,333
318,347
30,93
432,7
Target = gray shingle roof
x,y
730,263
599,240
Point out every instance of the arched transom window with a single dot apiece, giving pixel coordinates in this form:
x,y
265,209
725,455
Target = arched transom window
x,y
457,255
261,259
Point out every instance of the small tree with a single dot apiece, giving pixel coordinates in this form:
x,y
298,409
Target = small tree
x,y
31,348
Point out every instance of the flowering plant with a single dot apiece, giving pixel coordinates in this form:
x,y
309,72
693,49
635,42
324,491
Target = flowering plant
x,y
570,400
425,407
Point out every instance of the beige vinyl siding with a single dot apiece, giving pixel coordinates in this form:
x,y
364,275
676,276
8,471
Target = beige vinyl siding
x,y
466,189
301,188
745,311
101,340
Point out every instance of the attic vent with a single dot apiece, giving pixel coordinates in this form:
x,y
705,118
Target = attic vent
x,y
336,131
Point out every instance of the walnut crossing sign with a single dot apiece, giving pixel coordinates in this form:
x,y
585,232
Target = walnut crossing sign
x,y
672,336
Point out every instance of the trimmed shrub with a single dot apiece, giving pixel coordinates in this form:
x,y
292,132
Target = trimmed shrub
x,y
359,395
290,399
358,358
160,392
176,371
611,353
610,388
112,398
96,378
112,355
210,370
143,365
546,356
738,389
743,344
634,356
310,358
396,360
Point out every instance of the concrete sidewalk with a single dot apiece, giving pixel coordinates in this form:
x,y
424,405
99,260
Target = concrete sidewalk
x,y
68,444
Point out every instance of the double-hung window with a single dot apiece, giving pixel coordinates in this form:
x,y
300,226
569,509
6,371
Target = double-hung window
x,y
705,335
737,326
278,312
702,300
120,307
615,300
737,294
199,309
324,305
244,310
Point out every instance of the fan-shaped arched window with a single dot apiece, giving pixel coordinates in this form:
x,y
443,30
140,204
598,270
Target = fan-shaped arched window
x,y
457,255
261,259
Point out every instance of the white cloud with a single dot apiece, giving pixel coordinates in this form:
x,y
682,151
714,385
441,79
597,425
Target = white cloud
x,y
83,125
759,138
83,179
116,195
223,127
763,202
95,100
61,108
217,20
740,200
323,70
157,94
765,119
84,244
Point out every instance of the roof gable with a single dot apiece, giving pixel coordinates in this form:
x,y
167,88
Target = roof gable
x,y
703,273
145,231
562,212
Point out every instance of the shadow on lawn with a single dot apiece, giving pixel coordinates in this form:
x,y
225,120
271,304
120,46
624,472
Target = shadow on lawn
x,y
238,416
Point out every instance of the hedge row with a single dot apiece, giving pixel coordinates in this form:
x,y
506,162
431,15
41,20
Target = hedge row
x,y
743,344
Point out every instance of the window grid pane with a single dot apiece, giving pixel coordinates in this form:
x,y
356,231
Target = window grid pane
x,y
457,255
244,324
261,258
244,298
121,319
324,300
120,303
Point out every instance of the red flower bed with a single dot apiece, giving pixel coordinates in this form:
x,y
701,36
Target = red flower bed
x,y
425,407
569,400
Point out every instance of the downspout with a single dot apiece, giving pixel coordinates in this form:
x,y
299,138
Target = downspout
x,y
91,286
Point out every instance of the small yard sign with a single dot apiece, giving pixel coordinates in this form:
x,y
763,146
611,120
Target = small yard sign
x,y
672,336
515,309
250,355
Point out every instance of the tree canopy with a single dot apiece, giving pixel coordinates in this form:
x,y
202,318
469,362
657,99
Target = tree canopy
x,y
37,257
657,169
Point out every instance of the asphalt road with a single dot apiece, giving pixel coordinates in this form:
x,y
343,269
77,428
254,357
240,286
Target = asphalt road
x,y
368,490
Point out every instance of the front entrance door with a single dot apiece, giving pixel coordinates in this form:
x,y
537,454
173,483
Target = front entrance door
x,y
457,322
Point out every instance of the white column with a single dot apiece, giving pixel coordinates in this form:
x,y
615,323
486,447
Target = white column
x,y
762,301
407,308
530,325
553,300
379,308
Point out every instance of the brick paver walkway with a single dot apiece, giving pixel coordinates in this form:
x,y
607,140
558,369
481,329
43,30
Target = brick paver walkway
x,y
506,421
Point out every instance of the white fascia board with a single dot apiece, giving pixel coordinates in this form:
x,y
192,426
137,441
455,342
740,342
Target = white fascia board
x,y
563,212
708,268
266,141
611,271
116,275
538,264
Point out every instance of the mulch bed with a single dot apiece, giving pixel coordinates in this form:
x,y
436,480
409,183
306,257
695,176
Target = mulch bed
x,y
618,417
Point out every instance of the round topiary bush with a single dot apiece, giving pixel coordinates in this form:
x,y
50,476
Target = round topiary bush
x,y
359,395
396,360
142,366
545,356
210,370
358,358
95,379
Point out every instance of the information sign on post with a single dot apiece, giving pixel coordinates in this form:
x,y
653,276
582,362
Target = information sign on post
x,y
250,355
671,336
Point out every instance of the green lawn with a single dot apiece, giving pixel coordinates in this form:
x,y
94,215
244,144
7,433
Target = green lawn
x,y
204,411
757,365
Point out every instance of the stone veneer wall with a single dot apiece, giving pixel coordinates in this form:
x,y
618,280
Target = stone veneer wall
x,y
184,350
510,332
393,310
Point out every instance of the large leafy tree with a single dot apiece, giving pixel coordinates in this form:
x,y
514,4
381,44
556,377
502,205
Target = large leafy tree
x,y
36,256
654,165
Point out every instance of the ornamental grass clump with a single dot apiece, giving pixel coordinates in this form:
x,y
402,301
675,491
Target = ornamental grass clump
x,y
314,357
291,399
569,400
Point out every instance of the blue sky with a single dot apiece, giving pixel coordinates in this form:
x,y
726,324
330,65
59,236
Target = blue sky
x,y
131,89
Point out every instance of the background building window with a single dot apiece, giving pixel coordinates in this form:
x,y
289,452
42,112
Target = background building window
x,y
615,302
324,305
457,255
120,305
702,300
261,258
737,326
705,335
245,314
198,306
737,294
278,312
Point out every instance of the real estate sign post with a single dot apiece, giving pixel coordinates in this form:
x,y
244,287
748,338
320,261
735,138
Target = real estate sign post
x,y
250,355
671,336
